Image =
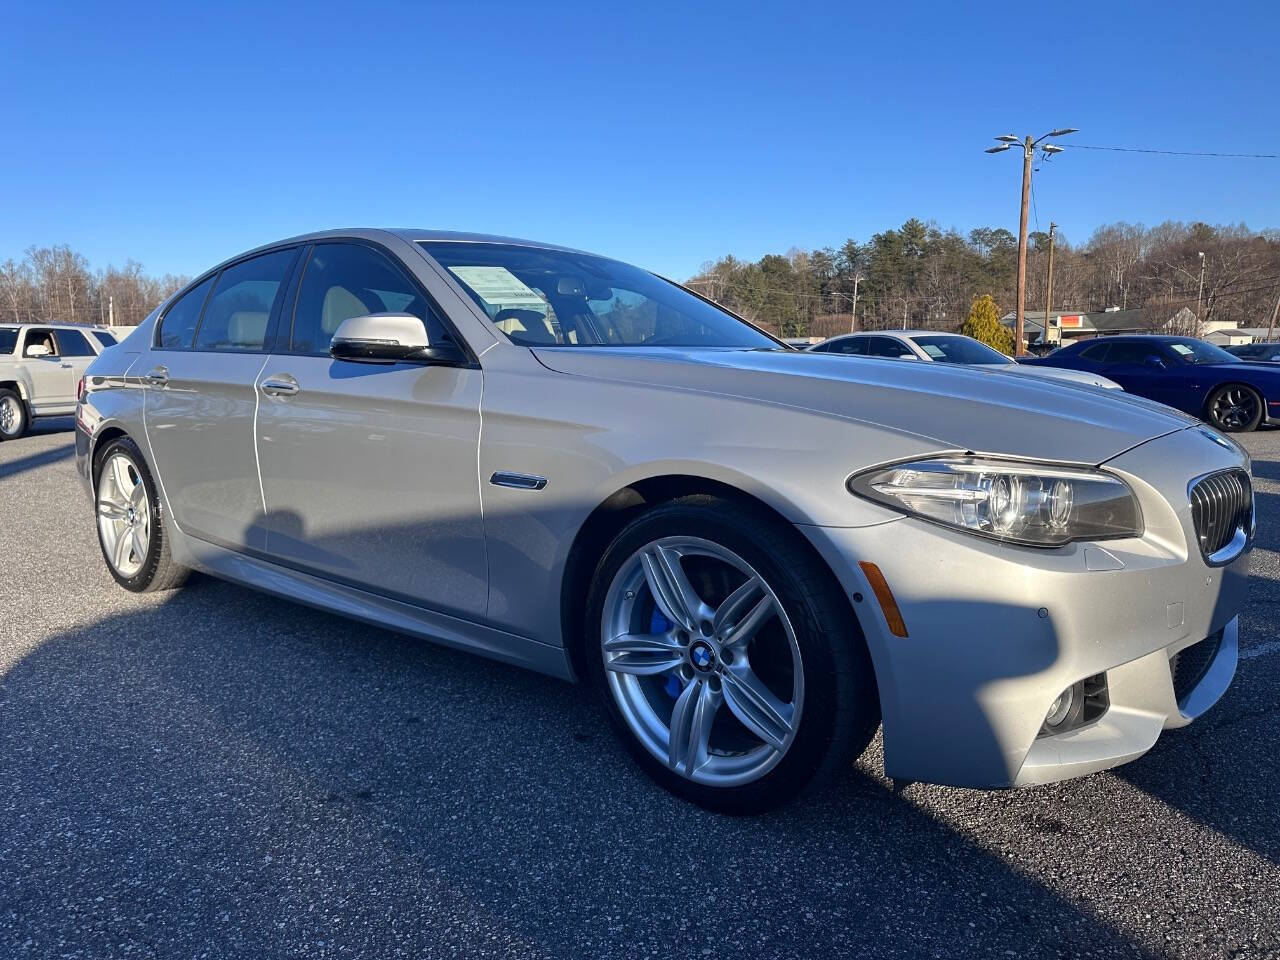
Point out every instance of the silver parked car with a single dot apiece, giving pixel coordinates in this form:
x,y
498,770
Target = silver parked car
x,y
931,346
754,554
40,370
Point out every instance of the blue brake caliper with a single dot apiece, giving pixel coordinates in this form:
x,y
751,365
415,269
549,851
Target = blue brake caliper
x,y
660,624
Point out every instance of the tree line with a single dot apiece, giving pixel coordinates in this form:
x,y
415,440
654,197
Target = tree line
x,y
56,285
923,276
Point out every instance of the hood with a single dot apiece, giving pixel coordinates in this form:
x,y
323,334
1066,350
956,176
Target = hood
x,y
952,407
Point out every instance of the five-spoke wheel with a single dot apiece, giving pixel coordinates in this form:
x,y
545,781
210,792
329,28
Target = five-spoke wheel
x,y
130,529
691,631
124,515
729,658
1235,408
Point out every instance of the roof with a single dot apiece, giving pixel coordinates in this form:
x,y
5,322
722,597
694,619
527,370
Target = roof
x,y
1101,321
416,235
57,326
1141,338
897,333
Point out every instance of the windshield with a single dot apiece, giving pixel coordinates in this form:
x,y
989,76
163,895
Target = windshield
x,y
550,298
1197,351
959,350
8,339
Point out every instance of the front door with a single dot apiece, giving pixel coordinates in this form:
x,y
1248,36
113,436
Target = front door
x,y
53,378
201,400
369,470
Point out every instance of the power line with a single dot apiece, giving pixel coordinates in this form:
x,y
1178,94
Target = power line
x,y
1177,153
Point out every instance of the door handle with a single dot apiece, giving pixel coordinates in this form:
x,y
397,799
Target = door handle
x,y
281,385
66,366
158,377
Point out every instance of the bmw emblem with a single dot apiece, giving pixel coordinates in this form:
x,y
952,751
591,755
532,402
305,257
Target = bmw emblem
x,y
702,655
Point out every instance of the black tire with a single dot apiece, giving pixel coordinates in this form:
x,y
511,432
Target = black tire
x,y
841,707
19,408
1234,408
160,571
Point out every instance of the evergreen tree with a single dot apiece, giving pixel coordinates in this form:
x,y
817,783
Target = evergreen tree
x,y
983,323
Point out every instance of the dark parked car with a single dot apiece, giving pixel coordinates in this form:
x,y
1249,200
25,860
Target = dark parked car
x,y
1183,372
1265,352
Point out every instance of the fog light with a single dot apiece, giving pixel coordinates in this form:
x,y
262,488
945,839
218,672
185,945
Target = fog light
x,y
1061,708
1079,705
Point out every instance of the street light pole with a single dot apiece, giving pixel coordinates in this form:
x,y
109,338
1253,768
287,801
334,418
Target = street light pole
x,y
1028,154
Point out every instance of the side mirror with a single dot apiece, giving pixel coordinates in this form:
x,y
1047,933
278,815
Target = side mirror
x,y
37,350
391,338
1155,363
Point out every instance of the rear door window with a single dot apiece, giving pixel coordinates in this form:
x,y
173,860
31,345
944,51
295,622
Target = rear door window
x,y
178,328
887,347
106,339
72,343
239,310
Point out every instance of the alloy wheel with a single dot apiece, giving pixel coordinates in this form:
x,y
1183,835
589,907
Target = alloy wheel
x,y
124,515
10,416
702,661
1235,407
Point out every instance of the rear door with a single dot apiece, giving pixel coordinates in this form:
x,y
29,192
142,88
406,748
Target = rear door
x,y
201,399
76,352
369,470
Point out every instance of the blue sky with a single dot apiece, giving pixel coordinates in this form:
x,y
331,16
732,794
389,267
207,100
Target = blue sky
x,y
661,134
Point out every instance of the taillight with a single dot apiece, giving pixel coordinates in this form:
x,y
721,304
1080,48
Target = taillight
x,y
80,390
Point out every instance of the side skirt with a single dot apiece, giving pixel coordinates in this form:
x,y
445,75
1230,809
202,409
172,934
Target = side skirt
x,y
370,608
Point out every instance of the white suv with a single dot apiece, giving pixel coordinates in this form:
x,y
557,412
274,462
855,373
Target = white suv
x,y
40,369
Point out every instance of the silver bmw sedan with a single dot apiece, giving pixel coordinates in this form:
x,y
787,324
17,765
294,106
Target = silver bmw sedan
x,y
754,555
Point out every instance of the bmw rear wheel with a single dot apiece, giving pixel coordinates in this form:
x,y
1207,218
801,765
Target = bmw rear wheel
x,y
130,527
729,660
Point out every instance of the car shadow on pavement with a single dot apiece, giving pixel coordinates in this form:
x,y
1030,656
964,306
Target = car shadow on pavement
x,y
31,461
311,786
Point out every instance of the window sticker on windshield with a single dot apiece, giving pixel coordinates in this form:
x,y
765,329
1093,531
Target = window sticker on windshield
x,y
497,286
933,350
1181,348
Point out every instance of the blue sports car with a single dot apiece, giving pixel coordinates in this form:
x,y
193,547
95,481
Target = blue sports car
x,y
1191,375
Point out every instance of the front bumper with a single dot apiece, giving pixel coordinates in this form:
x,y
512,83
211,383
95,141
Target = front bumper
x,y
997,632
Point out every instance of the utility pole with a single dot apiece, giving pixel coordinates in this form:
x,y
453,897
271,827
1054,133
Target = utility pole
x,y
853,317
1048,294
1028,154
1200,292
1271,327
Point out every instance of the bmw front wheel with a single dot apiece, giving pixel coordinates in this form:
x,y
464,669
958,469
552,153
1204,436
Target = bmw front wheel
x,y
728,658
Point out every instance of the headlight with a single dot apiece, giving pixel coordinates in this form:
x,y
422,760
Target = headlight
x,y
1030,503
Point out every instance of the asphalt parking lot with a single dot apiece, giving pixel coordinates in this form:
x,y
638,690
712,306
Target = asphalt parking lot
x,y
214,773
